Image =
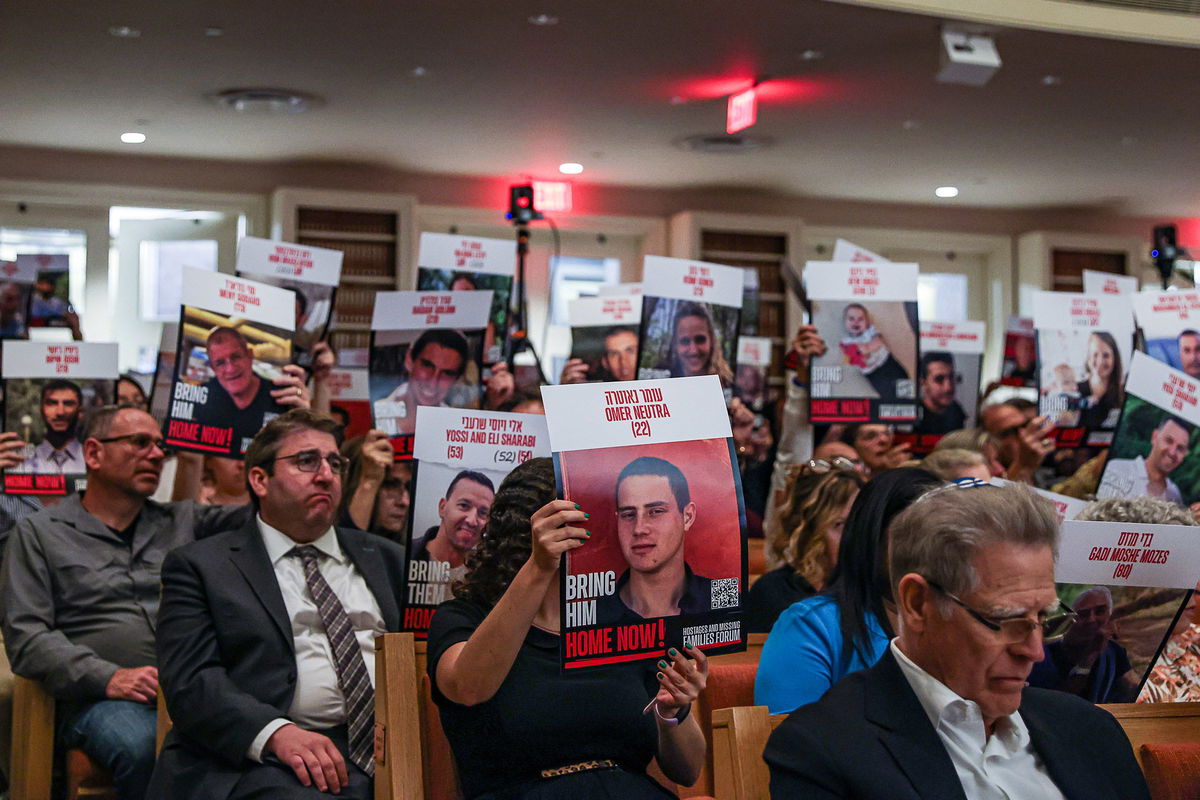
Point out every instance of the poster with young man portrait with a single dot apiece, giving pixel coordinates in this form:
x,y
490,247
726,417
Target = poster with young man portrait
x,y
50,302
313,273
868,315
461,459
233,347
691,318
653,464
948,375
1020,353
48,389
1170,323
426,350
451,263
17,279
604,335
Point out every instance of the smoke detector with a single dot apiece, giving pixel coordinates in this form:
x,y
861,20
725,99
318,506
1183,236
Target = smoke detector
x,y
265,101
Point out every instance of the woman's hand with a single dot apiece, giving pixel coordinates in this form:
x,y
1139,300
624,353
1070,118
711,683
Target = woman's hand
x,y
500,387
290,389
680,680
553,533
807,343
377,455
574,371
12,450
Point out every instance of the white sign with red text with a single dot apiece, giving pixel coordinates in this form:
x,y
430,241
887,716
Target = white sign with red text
x,y
754,350
468,254
239,297
1066,507
1128,554
297,262
1076,310
60,359
1097,282
406,311
848,251
964,336
1169,389
588,416
684,279
470,438
619,289
843,280
1166,314
587,312
348,384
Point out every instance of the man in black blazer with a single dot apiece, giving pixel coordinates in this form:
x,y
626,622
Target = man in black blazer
x,y
266,635
946,713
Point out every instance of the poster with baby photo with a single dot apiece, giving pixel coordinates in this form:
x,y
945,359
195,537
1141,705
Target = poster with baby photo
x,y
691,315
653,465
1126,584
1083,346
462,457
452,263
868,315
1156,449
1170,323
49,387
1020,353
313,273
604,335
426,350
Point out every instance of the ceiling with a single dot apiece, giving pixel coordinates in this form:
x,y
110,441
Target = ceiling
x,y
613,85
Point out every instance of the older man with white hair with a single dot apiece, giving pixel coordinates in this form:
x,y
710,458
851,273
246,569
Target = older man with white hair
x,y
946,712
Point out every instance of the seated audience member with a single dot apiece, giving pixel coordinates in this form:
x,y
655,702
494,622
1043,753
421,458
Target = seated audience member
x,y
946,712
951,464
517,726
225,480
875,445
834,450
266,636
376,495
80,591
975,440
807,535
818,641
1089,660
130,393
1022,441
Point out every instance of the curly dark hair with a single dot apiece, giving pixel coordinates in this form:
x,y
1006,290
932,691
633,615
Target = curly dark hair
x,y
506,542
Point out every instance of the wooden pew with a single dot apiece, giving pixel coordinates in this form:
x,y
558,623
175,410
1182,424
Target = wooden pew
x,y
398,720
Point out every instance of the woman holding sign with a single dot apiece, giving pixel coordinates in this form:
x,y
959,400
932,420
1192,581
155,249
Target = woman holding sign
x,y
517,727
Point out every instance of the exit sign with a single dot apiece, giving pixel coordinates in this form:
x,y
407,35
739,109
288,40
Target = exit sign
x,y
552,196
742,111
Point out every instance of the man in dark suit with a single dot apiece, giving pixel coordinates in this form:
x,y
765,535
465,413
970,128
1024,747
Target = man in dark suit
x,y
266,635
946,713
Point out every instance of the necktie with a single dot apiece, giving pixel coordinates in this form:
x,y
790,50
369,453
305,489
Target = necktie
x,y
348,659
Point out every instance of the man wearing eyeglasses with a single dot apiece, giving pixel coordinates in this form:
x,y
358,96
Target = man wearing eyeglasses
x,y
266,637
79,590
946,712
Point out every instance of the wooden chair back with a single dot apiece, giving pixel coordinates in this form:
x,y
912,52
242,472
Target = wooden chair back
x,y
32,741
754,646
162,723
1154,723
398,751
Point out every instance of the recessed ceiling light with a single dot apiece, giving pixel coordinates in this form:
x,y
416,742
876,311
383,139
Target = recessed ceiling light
x,y
418,72
133,137
543,20
214,32
124,32
265,101
910,125
811,55
570,168
1051,80
946,191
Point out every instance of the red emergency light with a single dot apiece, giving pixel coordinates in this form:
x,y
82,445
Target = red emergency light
x,y
742,111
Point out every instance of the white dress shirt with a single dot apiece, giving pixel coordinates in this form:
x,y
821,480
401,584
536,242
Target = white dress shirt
x,y
46,460
1127,477
318,702
1003,766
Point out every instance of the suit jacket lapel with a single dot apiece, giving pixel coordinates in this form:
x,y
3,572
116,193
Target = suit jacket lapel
x,y
368,560
249,555
905,731
1060,756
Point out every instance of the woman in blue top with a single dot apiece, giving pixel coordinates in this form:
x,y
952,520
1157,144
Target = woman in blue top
x,y
818,641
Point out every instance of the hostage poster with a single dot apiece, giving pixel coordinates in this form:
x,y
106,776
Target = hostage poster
x,y
653,464
753,364
1084,342
604,335
16,293
426,350
1126,583
1170,323
452,263
948,376
462,457
691,315
1020,353
234,341
868,315
312,273
49,388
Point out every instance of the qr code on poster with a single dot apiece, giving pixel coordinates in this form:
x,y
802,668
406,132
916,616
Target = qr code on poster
x,y
724,593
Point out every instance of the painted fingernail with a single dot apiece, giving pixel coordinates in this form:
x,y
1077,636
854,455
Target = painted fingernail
x,y
587,533
577,506
587,515
662,665
661,676
689,646
672,652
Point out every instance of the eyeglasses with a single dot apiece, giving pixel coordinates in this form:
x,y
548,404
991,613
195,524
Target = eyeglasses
x,y
141,442
819,466
310,461
1016,630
